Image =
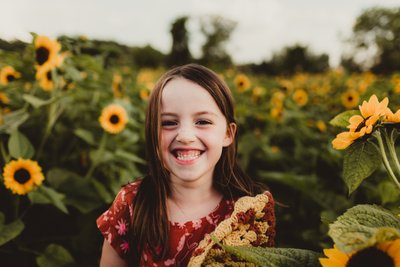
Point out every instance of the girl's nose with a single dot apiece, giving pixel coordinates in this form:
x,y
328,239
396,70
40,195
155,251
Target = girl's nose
x,y
185,136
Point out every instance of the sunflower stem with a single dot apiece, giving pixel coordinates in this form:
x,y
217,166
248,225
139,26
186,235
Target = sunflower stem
x,y
54,112
16,208
96,155
390,141
385,160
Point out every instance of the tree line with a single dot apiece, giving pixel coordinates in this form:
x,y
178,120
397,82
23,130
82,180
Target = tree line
x,y
374,46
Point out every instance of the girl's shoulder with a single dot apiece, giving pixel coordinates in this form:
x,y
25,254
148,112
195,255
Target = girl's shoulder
x,y
128,192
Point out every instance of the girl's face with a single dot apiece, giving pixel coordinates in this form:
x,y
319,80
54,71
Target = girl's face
x,y
193,132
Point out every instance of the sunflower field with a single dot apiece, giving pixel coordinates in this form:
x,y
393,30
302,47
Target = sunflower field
x,y
72,133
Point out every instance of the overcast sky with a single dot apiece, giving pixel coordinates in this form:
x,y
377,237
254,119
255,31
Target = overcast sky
x,y
263,26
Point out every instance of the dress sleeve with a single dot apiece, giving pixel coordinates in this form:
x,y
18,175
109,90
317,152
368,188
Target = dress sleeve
x,y
114,222
270,218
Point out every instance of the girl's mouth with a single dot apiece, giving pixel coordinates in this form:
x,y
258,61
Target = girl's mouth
x,y
187,155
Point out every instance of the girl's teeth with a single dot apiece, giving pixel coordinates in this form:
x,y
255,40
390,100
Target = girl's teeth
x,y
188,155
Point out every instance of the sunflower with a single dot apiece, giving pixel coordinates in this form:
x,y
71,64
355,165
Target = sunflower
x,y
144,94
242,82
20,176
45,80
47,56
116,85
321,126
386,254
277,113
8,74
258,92
300,97
360,125
4,100
113,118
277,99
350,99
392,117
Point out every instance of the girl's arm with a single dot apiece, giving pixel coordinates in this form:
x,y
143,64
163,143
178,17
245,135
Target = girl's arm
x,y
110,258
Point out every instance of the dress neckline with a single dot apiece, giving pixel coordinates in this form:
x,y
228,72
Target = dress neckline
x,y
204,218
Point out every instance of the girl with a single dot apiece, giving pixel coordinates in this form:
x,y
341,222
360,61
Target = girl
x,y
193,178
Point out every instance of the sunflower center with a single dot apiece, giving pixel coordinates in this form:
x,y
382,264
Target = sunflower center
x,y
10,77
48,76
114,119
42,55
370,257
22,176
350,98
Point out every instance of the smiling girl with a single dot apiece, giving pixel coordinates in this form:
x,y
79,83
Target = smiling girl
x,y
193,179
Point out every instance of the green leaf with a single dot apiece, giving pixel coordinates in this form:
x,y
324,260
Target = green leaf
x,y
85,136
361,159
389,192
19,146
12,120
79,192
363,226
129,156
10,231
55,256
47,195
37,102
274,257
342,119
102,191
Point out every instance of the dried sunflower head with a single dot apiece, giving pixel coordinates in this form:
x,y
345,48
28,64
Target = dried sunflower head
x,y
250,224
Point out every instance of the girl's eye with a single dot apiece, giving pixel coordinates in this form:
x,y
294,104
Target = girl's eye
x,y
168,123
203,122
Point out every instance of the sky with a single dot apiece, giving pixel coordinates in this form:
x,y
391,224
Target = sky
x,y
263,28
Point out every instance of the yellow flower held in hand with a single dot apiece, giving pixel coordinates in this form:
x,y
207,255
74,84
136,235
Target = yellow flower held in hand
x,y
22,175
113,118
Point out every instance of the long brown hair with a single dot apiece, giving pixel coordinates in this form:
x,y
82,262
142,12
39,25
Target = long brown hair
x,y
150,225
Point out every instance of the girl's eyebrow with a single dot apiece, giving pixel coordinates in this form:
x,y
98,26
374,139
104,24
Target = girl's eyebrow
x,y
200,113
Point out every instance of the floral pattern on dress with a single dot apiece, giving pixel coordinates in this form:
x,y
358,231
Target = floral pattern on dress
x,y
184,237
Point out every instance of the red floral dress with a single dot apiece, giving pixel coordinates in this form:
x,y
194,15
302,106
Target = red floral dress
x,y
184,237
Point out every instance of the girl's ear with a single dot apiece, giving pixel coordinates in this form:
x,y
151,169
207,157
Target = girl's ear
x,y
230,134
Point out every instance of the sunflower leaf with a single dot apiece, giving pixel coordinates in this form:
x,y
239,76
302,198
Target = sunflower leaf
x,y
129,156
11,231
37,102
19,146
274,257
47,195
362,226
361,159
85,135
12,120
342,119
55,256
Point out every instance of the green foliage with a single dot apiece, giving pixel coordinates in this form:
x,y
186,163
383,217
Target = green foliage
x,y
9,231
342,119
362,226
361,159
377,28
19,146
217,31
55,256
274,257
